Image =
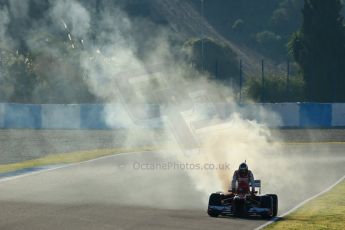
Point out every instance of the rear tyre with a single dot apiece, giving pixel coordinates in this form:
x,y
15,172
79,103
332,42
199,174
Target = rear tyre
x,y
214,200
275,204
266,201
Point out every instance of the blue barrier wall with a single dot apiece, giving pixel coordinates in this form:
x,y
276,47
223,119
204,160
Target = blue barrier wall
x,y
287,112
338,114
2,115
22,116
92,116
315,115
60,116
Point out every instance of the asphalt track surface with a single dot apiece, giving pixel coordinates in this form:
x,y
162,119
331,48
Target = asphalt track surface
x,y
21,145
110,193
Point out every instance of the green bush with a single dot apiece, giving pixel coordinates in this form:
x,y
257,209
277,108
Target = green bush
x,y
275,89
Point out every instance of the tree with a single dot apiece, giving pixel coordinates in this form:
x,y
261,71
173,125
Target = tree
x,y
319,49
215,58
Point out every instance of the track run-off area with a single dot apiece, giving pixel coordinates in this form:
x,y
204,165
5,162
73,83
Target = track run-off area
x,y
112,193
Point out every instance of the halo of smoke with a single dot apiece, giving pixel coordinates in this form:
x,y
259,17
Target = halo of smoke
x,y
234,144
19,9
6,86
72,13
116,66
4,21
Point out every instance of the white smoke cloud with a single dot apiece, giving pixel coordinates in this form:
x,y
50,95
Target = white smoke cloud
x,y
19,9
112,61
4,21
72,16
134,63
6,85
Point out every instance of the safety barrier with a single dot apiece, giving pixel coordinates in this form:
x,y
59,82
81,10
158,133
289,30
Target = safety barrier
x,y
115,116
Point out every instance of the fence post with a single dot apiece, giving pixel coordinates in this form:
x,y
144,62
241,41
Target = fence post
x,y
262,81
288,81
202,35
240,100
216,69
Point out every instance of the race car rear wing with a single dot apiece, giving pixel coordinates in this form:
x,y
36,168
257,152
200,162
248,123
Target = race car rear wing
x,y
257,184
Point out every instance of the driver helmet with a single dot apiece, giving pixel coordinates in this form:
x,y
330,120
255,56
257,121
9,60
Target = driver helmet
x,y
243,168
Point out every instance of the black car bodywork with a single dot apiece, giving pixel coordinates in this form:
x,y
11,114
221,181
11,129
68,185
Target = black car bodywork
x,y
243,204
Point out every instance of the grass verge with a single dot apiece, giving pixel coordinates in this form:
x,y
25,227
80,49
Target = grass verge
x,y
324,212
70,157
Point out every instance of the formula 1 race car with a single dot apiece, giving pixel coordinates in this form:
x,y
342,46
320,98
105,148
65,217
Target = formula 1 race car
x,y
242,204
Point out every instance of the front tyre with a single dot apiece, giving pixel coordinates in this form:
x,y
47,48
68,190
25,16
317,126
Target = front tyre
x,y
266,201
212,213
275,204
214,200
